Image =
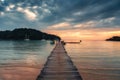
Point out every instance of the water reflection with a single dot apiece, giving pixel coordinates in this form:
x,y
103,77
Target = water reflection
x,y
98,60
18,73
22,60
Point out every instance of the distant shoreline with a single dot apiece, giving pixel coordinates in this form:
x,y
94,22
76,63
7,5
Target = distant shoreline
x,y
114,38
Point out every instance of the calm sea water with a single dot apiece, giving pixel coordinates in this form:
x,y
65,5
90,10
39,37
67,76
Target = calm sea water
x,y
96,60
23,60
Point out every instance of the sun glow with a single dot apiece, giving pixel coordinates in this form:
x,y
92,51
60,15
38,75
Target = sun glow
x,y
77,34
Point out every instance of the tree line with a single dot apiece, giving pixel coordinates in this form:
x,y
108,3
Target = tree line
x,y
22,33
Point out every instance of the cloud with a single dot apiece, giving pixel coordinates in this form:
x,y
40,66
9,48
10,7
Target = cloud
x,y
85,25
58,13
11,6
108,20
1,13
97,10
7,9
29,14
63,25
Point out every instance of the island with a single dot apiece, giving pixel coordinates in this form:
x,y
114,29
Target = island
x,y
114,38
26,34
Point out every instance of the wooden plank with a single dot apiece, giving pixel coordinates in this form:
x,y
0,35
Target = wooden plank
x,y
59,66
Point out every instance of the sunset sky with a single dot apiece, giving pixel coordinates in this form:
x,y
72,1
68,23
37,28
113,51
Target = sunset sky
x,y
69,19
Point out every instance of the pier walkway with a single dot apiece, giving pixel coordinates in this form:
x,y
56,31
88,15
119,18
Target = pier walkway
x,y
59,66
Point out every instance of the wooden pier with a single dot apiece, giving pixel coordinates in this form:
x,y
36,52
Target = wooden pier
x,y
59,66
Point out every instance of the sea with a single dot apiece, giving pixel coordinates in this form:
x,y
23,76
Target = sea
x,y
95,60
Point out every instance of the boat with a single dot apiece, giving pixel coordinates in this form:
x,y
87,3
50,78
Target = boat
x,y
63,42
75,42
26,38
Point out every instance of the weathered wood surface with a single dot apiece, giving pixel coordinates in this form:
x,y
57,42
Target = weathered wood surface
x,y
59,66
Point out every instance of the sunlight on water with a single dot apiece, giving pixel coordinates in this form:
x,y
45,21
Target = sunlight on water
x,y
22,60
96,60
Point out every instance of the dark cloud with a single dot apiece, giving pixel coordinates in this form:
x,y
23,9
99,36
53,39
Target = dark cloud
x,y
1,8
99,10
51,12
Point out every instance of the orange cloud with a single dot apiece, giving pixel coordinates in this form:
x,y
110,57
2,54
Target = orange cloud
x,y
88,34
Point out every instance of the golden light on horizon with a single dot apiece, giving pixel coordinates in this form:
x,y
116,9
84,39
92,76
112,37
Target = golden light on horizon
x,y
92,34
